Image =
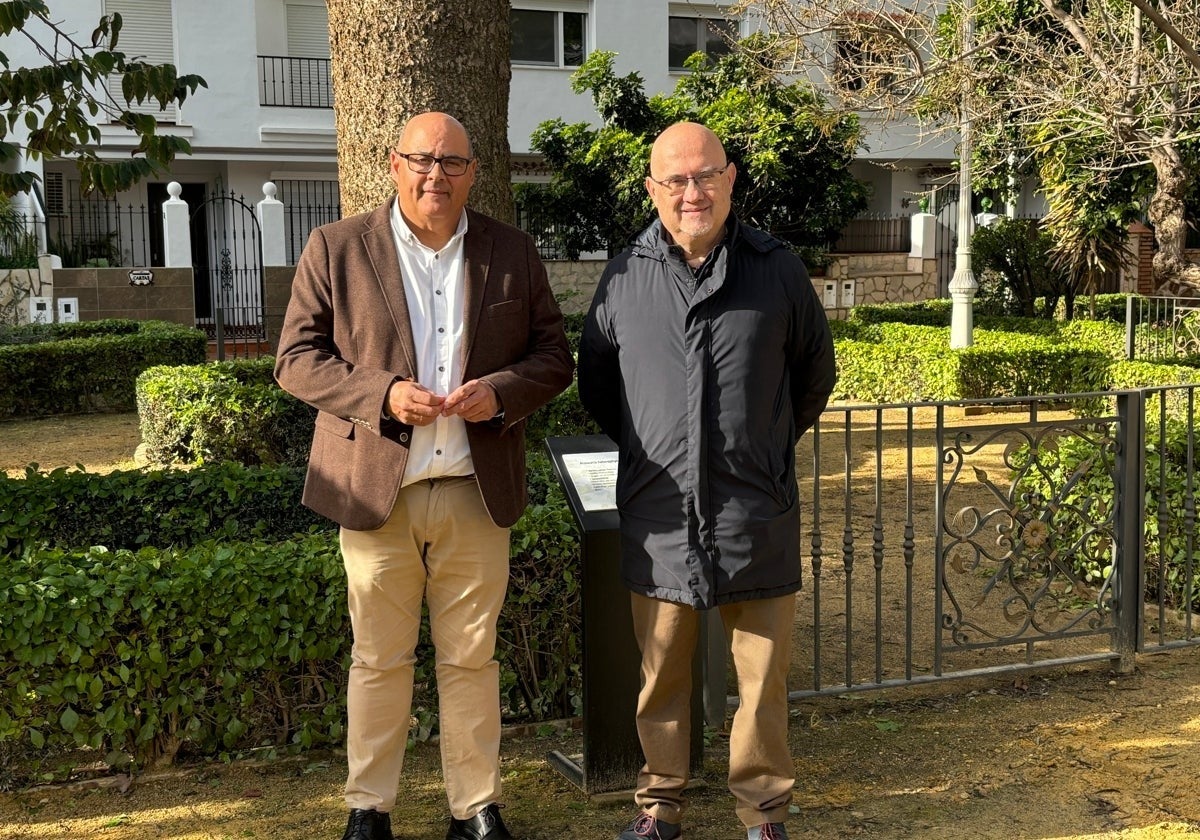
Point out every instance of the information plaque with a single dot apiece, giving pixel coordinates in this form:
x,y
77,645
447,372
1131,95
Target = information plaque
x,y
612,756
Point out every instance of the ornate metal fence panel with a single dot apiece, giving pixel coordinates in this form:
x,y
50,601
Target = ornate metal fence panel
x,y
232,262
980,538
1028,537
1162,328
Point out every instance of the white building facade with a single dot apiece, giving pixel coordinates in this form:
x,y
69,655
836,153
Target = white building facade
x,y
267,114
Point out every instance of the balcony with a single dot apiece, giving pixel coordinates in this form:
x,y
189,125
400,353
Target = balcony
x,y
290,82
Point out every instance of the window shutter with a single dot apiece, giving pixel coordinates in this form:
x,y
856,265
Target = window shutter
x,y
147,33
308,31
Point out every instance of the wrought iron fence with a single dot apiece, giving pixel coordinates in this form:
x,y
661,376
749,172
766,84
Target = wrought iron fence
x,y
874,234
100,233
545,233
291,82
1162,328
307,204
21,240
972,538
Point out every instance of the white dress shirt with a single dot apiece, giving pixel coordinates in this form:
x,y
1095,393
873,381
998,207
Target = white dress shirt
x,y
434,286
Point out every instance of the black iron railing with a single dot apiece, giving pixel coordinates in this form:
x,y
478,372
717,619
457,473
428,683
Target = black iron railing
x,y
291,82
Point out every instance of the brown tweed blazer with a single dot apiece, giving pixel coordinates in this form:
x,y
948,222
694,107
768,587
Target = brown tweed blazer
x,y
346,337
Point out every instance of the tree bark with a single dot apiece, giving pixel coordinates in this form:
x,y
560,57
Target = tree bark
x,y
392,59
1173,273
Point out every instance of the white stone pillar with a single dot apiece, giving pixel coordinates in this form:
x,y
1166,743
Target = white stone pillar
x,y
271,223
924,240
177,235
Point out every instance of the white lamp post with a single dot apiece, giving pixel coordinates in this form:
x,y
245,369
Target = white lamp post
x,y
963,285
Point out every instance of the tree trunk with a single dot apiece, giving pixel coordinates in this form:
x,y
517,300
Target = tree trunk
x,y
392,59
1173,273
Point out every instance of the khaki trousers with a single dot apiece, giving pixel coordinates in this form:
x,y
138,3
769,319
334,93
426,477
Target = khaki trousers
x,y
440,543
761,772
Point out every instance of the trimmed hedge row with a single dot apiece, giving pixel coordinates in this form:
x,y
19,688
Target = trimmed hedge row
x,y
109,650
130,509
886,361
106,648
92,366
936,313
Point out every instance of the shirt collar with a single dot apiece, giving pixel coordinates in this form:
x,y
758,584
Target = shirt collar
x,y
400,226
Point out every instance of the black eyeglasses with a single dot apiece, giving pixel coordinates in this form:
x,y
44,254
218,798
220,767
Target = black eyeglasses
x,y
451,164
706,181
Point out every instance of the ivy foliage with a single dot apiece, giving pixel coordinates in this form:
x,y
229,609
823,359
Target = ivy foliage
x,y
792,154
56,104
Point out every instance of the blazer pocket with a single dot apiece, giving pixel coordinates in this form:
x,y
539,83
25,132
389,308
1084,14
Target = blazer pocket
x,y
506,308
334,425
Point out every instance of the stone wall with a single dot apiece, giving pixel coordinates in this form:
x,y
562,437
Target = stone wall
x,y
574,283
857,279
17,285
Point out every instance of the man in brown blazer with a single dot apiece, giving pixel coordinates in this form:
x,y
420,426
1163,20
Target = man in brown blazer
x,y
424,333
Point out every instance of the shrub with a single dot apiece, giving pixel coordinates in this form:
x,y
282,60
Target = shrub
x,y
130,509
223,411
1017,271
109,648
77,368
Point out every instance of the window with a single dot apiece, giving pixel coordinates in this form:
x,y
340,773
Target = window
x,y
871,53
148,32
552,39
687,35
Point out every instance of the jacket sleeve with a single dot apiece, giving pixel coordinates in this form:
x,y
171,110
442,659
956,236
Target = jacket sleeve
x,y
545,370
599,365
812,369
309,364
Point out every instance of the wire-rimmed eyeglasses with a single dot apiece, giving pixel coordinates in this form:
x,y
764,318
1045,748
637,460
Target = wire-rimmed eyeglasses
x,y
706,181
451,164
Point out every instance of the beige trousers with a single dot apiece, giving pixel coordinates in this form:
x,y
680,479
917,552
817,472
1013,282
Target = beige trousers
x,y
761,772
439,543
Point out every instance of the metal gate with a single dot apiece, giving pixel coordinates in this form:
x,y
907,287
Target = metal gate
x,y
944,205
236,296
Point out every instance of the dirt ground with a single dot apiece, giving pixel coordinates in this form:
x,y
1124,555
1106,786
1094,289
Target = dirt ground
x,y
1066,754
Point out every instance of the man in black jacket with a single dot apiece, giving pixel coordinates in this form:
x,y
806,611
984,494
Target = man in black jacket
x,y
705,356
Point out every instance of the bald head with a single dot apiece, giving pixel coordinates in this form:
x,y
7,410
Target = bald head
x,y
691,154
684,139
434,122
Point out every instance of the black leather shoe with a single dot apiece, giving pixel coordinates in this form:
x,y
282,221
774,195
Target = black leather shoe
x,y
486,825
368,825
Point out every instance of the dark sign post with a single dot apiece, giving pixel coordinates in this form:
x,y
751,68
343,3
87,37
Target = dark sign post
x,y
612,756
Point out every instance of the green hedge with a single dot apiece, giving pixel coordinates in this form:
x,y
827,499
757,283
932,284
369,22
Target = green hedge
x,y
894,362
234,411
91,366
222,411
217,647
936,313
225,645
130,509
